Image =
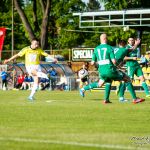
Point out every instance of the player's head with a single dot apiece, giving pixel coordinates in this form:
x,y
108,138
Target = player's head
x,y
35,43
131,41
103,38
122,43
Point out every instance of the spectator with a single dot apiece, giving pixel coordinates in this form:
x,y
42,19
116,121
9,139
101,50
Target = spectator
x,y
52,76
20,80
4,76
27,83
44,83
62,84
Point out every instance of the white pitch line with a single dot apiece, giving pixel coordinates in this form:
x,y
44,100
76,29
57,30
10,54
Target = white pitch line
x,y
71,143
69,101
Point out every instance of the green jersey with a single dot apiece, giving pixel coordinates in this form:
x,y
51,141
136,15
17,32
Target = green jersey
x,y
120,53
103,54
132,54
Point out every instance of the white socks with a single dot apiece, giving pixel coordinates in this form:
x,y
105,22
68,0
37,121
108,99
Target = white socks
x,y
34,88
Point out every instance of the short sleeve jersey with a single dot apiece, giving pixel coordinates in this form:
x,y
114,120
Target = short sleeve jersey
x,y
133,53
32,57
120,53
103,55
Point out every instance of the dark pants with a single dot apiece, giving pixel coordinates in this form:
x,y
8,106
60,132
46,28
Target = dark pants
x,y
4,83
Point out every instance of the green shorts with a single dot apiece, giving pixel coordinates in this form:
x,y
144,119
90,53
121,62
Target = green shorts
x,y
134,70
112,75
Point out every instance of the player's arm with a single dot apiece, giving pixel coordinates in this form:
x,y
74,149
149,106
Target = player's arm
x,y
54,59
112,56
137,42
10,59
49,56
113,61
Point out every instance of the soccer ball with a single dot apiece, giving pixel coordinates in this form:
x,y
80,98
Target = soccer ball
x,y
83,73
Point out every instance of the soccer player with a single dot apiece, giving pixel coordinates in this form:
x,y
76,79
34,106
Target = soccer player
x,y
83,77
32,62
120,53
134,68
103,54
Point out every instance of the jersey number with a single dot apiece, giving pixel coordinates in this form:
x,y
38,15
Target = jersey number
x,y
102,56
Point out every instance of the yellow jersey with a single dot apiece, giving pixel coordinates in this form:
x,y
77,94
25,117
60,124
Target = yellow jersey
x,y
32,57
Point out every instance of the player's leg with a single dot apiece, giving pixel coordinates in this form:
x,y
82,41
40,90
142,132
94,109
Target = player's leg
x,y
36,70
107,92
118,88
130,88
32,70
118,76
91,86
139,73
42,75
122,91
34,88
80,84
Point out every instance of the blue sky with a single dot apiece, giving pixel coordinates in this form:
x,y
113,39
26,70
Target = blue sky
x,y
85,1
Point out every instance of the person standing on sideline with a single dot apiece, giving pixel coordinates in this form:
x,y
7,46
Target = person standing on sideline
x,y
103,54
52,77
32,62
4,76
134,68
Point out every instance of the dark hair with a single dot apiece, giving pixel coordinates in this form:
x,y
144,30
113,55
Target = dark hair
x,y
122,42
35,39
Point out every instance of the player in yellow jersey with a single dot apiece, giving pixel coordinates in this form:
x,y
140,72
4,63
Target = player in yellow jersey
x,y
32,62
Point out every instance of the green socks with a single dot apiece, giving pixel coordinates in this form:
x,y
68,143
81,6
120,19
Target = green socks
x,y
131,90
107,91
122,88
91,86
145,87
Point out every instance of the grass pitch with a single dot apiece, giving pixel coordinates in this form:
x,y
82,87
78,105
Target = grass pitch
x,y
65,121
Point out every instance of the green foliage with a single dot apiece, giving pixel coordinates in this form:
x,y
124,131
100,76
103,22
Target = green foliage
x,y
63,27
64,21
116,34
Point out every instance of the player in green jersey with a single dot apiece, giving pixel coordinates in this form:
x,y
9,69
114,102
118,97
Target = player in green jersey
x,y
120,53
104,56
134,68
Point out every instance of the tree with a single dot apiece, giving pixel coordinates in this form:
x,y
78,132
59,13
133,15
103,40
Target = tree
x,y
45,5
64,23
124,4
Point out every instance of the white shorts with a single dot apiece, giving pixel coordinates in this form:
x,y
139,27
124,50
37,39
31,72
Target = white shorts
x,y
31,68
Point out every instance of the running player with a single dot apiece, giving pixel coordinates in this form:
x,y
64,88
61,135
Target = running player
x,y
103,54
83,76
32,62
134,68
